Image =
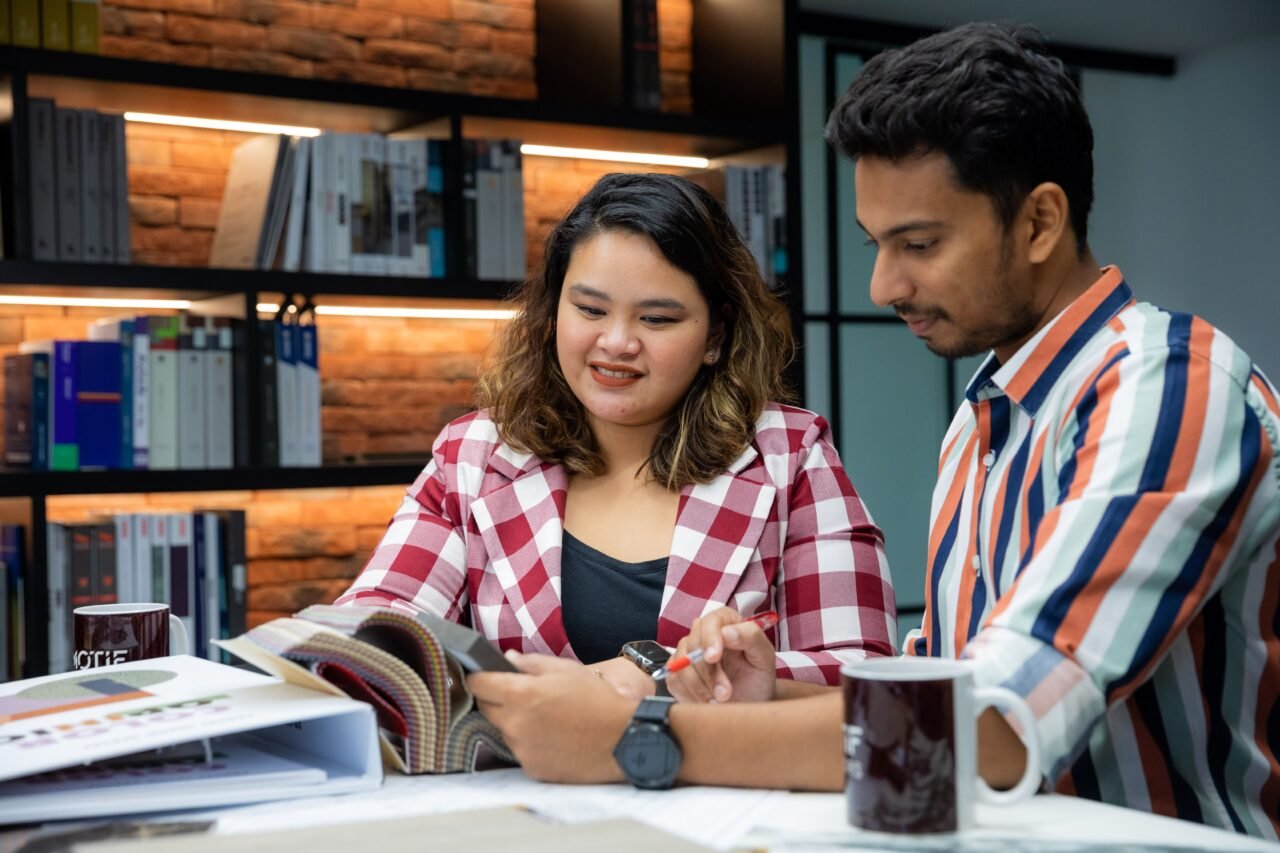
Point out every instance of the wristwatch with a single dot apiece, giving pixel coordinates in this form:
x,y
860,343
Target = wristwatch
x,y
649,656
648,752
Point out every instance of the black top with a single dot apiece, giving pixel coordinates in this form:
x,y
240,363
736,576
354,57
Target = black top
x,y
607,602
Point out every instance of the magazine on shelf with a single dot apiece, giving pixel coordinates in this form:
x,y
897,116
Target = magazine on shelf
x,y
173,733
399,664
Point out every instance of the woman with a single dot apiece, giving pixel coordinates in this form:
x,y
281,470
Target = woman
x,y
628,470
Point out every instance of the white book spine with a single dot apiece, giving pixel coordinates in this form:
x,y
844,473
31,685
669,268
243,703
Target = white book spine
x,y
163,409
490,186
59,610
287,394
309,396
420,254
125,592
213,573
141,395
192,391
340,222
513,205
160,557
140,528
220,400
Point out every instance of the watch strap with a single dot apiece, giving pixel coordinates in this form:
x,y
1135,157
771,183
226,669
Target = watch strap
x,y
654,709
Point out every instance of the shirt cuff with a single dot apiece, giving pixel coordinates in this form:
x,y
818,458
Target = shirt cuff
x,y
1063,699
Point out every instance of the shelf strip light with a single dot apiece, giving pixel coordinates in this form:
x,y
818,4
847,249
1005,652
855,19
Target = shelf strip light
x,y
412,313
616,156
92,302
220,124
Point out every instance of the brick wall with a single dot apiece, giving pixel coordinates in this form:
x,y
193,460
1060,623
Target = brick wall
x,y
480,47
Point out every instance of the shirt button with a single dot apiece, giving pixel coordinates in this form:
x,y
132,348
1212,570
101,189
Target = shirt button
x,y
989,459
976,562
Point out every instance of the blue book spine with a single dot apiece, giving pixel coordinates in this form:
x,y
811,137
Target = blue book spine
x,y
65,453
98,403
126,394
435,220
200,642
40,411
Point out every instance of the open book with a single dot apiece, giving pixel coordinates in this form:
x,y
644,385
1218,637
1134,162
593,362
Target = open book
x,y
397,663
173,733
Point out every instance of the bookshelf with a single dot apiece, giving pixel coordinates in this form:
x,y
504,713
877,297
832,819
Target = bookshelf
x,y
724,131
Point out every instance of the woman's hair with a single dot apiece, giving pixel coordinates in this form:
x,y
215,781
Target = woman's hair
x,y
526,392
992,99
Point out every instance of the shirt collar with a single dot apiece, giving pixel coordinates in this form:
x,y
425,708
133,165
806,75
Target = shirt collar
x,y
1029,375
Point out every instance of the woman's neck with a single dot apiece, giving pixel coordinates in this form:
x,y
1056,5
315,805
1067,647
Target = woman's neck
x,y
625,449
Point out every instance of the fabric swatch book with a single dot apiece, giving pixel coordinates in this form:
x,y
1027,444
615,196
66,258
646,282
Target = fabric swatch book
x,y
174,733
397,663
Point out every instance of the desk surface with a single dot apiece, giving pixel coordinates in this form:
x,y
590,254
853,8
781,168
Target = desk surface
x,y
726,818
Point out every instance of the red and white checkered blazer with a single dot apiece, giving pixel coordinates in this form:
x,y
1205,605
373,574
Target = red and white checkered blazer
x,y
478,539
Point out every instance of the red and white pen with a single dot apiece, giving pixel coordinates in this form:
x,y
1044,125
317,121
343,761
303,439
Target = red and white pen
x,y
765,620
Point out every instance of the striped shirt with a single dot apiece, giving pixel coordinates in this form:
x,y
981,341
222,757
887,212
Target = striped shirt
x,y
1105,541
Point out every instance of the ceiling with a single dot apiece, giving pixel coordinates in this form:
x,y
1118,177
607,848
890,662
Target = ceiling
x,y
1167,27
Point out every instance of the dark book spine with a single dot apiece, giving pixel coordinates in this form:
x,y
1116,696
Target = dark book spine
x,y
81,575
235,572
19,429
98,403
241,392
40,411
199,642
268,404
469,196
105,582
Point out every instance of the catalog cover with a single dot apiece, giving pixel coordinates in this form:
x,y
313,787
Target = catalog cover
x,y
172,733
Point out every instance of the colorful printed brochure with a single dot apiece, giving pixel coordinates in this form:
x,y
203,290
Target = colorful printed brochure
x,y
174,733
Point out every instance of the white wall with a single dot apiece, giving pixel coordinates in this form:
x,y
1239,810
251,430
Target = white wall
x,y
1187,177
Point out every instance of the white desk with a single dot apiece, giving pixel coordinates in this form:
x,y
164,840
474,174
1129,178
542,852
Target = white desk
x,y
727,819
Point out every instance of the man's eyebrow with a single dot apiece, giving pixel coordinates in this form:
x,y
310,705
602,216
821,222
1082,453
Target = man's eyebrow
x,y
913,225
659,302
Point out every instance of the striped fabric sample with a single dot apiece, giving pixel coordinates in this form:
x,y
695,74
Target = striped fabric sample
x,y
1105,541
394,662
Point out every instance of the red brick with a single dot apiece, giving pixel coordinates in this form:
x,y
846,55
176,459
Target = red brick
x,y
675,85
181,241
198,212
505,17
128,47
312,45
412,444
301,542
361,72
126,22
492,65
422,8
259,61
515,44
351,512
500,88
436,81
211,31
290,598
11,330
195,7
254,618
155,180
195,155
153,210
148,152
675,12
273,513
407,340
266,12
671,60
343,446
268,571
358,22
432,31
413,54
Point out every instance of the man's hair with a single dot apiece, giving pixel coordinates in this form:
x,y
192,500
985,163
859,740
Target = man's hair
x,y
527,395
988,96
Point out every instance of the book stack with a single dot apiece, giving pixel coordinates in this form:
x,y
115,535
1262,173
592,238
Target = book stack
x,y
755,198
162,392
13,569
192,561
52,24
335,203
493,209
79,185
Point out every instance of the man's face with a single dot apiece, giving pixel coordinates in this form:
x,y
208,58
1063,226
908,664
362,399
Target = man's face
x,y
944,261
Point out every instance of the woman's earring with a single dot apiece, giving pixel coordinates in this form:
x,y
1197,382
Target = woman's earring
x,y
712,356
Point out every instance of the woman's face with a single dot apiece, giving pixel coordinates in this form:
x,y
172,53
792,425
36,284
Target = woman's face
x,y
632,330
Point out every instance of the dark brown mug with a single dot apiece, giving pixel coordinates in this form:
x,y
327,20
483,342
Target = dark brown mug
x,y
118,633
910,745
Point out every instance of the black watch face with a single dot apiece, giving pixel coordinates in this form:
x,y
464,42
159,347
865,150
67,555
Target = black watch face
x,y
648,756
649,655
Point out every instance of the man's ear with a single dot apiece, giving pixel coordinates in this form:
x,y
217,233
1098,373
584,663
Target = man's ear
x,y
1047,214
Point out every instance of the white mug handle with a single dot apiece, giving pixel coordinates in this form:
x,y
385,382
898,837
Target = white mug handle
x,y
178,631
1002,697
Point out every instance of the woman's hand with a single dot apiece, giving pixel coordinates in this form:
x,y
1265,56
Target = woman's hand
x,y
739,664
561,719
626,678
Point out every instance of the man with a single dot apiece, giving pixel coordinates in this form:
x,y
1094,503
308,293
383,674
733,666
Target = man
x,y
1105,535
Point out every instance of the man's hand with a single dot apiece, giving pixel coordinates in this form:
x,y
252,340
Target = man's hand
x,y
561,719
739,664
626,678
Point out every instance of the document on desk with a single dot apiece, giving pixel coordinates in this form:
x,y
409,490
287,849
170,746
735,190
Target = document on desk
x,y
174,733
713,817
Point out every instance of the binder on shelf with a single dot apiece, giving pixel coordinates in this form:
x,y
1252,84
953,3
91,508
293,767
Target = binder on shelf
x,y
287,392
192,392
207,552
121,186
220,398
121,331
67,181
308,383
86,26
339,150
491,219
268,402
44,187
97,403
141,398
126,591
160,557
90,183
58,608
26,23
55,25
104,562
163,393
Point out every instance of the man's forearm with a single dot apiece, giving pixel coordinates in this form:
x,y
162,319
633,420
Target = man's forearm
x,y
786,688
793,744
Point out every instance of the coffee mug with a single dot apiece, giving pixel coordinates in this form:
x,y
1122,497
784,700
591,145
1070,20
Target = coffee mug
x,y
910,745
117,633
